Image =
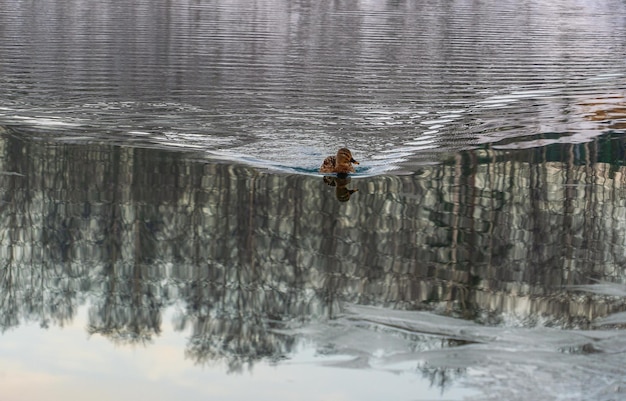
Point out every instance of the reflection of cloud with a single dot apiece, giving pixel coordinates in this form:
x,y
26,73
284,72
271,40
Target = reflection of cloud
x,y
65,364
24,381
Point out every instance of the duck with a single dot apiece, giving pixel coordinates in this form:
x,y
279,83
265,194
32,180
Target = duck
x,y
340,164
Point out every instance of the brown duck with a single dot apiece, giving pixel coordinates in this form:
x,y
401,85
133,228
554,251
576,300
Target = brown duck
x,y
340,164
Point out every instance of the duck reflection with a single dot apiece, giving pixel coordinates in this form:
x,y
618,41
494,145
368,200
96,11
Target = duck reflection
x,y
340,182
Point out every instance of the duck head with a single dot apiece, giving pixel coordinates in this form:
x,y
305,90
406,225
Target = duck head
x,y
344,161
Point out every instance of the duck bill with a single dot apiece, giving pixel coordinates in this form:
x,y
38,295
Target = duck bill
x,y
354,161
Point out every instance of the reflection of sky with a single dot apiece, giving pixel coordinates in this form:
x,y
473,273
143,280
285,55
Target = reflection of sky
x,y
68,364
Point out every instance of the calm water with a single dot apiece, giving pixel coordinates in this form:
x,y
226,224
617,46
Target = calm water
x,y
165,234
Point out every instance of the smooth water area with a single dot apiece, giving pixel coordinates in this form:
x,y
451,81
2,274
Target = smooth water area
x,y
165,233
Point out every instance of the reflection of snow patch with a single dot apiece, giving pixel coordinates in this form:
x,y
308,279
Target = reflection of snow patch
x,y
503,362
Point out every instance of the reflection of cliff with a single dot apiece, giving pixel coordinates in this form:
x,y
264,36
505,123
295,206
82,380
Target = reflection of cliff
x,y
241,252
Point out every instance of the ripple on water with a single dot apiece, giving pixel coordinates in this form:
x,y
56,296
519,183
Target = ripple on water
x,y
280,84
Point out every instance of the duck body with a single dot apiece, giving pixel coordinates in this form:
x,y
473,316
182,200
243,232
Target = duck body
x,y
340,164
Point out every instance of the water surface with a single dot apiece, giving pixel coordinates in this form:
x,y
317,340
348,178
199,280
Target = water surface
x,y
165,233
280,84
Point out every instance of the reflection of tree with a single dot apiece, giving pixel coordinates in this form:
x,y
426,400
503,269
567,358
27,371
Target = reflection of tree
x,y
32,285
242,253
441,378
232,316
12,209
129,309
239,341
8,299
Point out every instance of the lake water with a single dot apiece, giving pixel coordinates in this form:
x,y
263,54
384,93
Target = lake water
x,y
165,233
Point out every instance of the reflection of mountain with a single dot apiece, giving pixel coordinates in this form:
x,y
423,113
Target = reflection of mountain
x,y
135,230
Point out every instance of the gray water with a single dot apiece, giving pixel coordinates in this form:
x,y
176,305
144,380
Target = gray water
x,y
280,84
165,233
